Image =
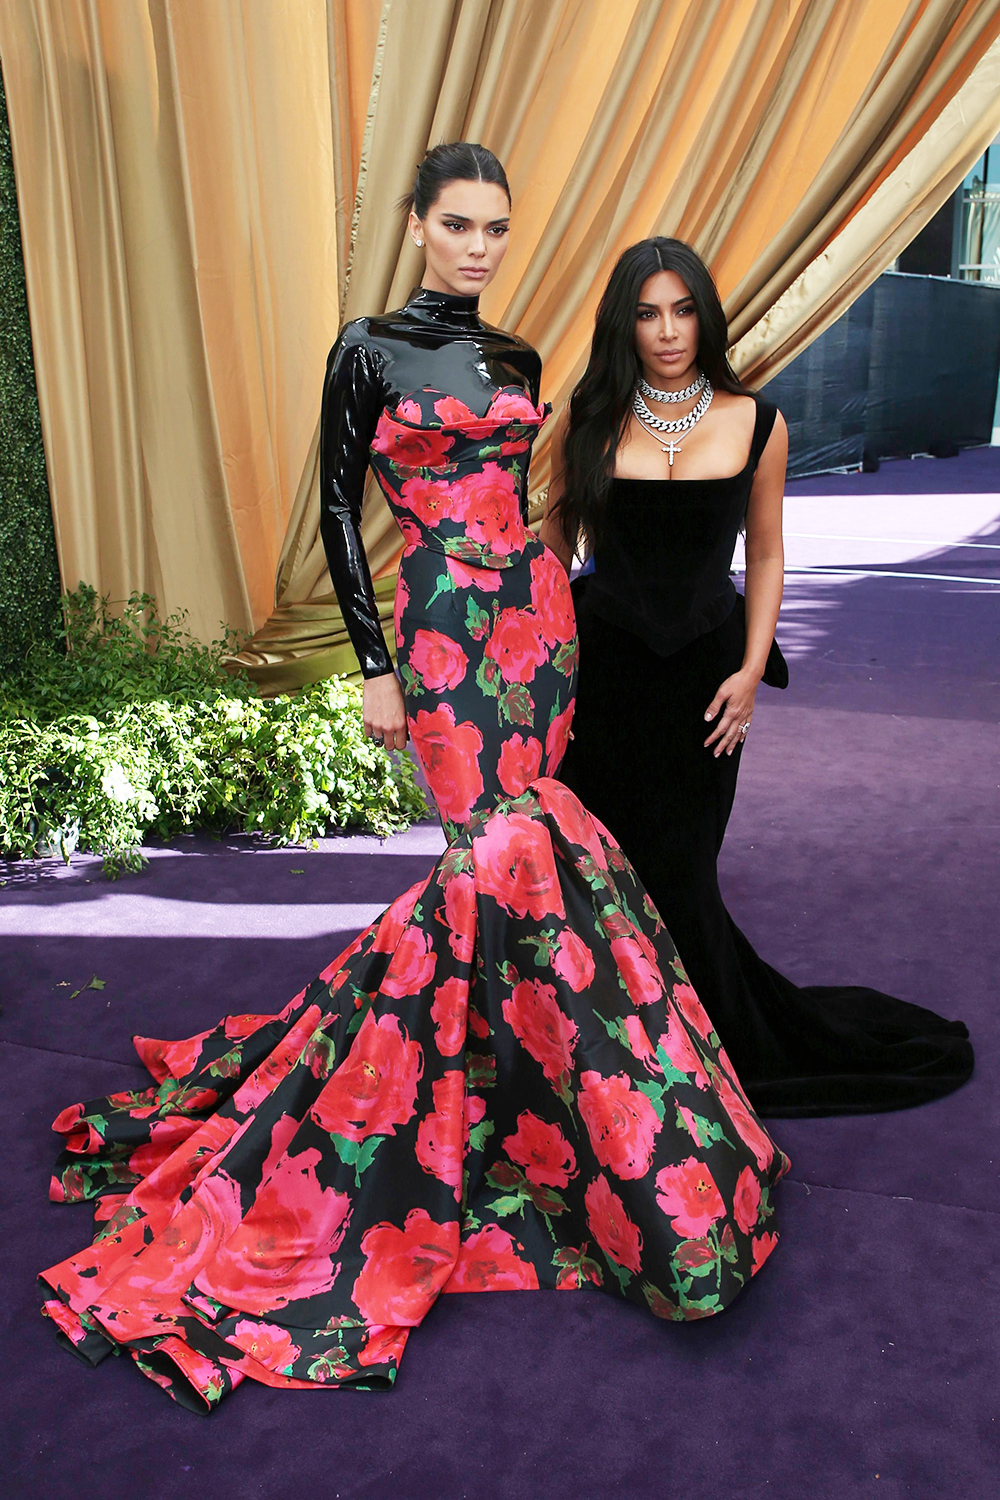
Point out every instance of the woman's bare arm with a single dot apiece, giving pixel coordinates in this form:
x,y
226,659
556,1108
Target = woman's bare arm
x,y
765,567
765,553
551,531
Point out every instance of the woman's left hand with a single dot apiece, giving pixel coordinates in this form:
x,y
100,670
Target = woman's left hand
x,y
735,701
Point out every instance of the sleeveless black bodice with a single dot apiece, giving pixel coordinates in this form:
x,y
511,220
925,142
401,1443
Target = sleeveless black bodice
x,y
661,564
436,342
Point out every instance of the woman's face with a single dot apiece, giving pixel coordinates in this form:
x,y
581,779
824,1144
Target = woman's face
x,y
464,236
666,331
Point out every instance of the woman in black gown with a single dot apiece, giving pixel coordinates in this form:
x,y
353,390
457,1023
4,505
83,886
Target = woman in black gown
x,y
658,489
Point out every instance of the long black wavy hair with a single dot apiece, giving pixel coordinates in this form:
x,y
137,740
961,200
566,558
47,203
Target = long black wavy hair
x,y
601,403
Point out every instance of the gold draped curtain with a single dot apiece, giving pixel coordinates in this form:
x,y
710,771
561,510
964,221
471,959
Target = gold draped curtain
x,y
206,191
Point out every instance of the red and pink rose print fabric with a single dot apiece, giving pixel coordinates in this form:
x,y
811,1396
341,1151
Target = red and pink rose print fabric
x,y
506,1082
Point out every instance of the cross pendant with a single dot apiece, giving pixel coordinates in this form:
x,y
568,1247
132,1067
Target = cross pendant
x,y
670,449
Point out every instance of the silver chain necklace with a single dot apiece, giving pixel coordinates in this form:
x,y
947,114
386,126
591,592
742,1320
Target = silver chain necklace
x,y
654,425
671,396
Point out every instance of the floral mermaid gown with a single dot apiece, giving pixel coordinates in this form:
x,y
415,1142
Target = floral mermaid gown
x,y
505,1082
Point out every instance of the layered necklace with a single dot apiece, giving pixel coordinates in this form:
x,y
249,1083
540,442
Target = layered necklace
x,y
655,425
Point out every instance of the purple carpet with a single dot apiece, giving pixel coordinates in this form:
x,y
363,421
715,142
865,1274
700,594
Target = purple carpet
x,y
864,1359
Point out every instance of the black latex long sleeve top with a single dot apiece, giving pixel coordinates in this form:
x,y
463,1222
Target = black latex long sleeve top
x,y
435,342
352,401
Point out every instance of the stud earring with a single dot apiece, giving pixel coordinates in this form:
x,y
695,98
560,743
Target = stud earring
x,y
420,243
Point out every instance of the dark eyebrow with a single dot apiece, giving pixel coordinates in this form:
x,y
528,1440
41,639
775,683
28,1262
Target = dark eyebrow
x,y
463,219
655,306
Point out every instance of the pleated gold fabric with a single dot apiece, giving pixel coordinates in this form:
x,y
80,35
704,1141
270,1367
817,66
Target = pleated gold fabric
x,y
206,194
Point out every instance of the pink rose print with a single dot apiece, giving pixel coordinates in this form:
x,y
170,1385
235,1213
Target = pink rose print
x,y
238,1027
384,1347
475,1111
643,980
165,1137
404,1269
552,600
576,824
464,577
392,924
282,1250
411,966
557,739
680,1049
449,754
438,661
460,915
453,413
441,1134
487,1263
411,447
691,1008
621,1122
375,1087
542,1150
761,1249
516,646
747,1126
487,500
268,1344
746,1200
532,1013
513,406
515,864
639,1044
692,1127
611,1226
693,1253
687,1194
170,1059
430,500
520,762
449,1011
574,961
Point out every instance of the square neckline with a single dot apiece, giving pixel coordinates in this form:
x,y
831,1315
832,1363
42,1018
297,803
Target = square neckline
x,y
712,478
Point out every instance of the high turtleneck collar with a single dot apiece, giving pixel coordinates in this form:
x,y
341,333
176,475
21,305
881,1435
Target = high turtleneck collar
x,y
444,309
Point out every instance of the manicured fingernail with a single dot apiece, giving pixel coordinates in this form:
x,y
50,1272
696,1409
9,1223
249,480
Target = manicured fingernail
x,y
708,713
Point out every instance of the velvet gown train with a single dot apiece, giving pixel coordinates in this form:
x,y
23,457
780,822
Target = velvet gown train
x,y
661,626
505,1082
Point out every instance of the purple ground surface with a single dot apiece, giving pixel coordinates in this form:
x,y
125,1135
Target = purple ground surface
x,y
864,1360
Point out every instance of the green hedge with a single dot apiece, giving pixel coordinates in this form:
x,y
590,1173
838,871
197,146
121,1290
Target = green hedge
x,y
29,570
136,728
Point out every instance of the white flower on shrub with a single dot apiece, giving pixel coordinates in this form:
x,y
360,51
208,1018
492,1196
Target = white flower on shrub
x,y
116,785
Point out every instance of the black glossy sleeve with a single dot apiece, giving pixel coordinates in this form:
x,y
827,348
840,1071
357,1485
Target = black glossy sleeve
x,y
352,402
534,390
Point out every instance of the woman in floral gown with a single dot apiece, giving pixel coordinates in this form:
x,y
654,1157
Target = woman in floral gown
x,y
506,1081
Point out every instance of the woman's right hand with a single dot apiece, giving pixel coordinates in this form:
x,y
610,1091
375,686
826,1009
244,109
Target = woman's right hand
x,y
384,712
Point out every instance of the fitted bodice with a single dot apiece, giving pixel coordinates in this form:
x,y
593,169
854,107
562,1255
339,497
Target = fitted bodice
x,y
444,408
662,559
456,481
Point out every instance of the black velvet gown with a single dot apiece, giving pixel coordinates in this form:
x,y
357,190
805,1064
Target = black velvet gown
x,y
660,627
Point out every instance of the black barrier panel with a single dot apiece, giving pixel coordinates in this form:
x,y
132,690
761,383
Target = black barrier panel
x,y
912,363
935,356
822,394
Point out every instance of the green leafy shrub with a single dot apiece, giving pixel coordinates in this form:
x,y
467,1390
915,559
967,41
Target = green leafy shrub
x,y
137,728
29,570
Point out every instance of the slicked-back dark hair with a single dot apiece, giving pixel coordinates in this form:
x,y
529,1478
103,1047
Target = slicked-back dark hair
x,y
600,405
462,161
